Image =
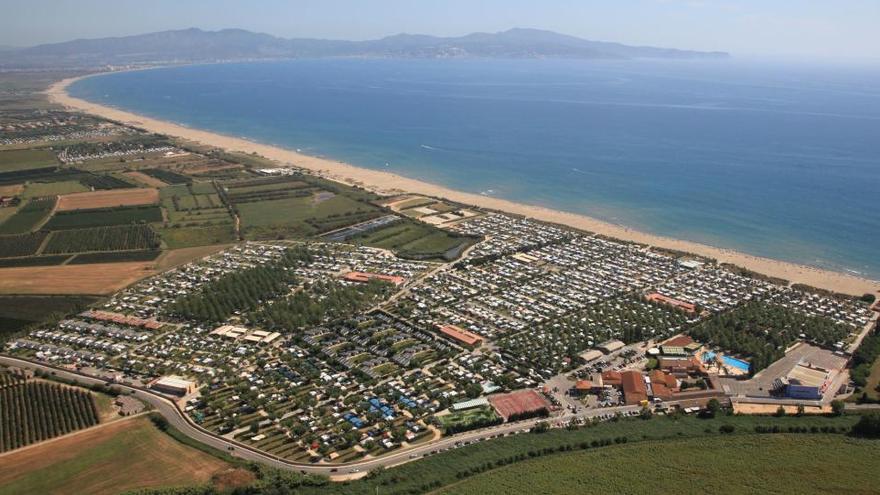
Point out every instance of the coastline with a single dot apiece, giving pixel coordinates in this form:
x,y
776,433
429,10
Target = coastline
x,y
389,183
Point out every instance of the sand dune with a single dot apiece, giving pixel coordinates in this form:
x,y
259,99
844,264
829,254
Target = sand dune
x,y
388,183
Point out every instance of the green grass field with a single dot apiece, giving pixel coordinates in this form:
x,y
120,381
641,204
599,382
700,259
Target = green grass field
x,y
729,465
463,418
37,189
413,239
175,238
291,214
26,159
28,216
444,468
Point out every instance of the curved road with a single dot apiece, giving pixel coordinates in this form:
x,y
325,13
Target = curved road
x,y
185,425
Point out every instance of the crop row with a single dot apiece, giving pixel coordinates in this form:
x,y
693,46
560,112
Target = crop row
x,y
35,411
113,238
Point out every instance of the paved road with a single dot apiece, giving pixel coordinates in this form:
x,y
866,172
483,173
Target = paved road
x,y
179,420
184,424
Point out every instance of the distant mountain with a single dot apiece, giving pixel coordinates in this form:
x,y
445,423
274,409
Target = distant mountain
x,y
195,45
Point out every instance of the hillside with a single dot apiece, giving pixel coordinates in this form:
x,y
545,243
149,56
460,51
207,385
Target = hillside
x,y
196,45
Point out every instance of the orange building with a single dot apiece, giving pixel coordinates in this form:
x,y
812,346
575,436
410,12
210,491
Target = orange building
x,y
364,277
461,336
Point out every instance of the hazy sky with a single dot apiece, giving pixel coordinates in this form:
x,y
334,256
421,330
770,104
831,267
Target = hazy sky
x,y
819,28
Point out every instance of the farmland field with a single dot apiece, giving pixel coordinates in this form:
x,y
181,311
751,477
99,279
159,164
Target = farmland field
x,y
26,159
46,174
115,257
103,217
28,217
124,455
72,279
19,311
444,468
145,179
115,238
104,182
185,237
37,189
34,261
107,199
21,245
730,465
166,176
32,411
303,216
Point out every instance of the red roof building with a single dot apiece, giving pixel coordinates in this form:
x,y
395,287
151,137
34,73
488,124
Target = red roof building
x,y
612,378
364,277
634,389
461,335
657,297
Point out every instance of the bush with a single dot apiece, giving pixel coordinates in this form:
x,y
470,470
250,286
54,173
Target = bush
x,y
727,429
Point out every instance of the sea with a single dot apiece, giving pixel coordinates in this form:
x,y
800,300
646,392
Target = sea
x,y
774,159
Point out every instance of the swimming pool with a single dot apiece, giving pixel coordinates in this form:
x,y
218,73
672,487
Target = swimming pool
x,y
735,363
739,364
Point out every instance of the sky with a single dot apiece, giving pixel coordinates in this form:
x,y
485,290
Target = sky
x,y
799,28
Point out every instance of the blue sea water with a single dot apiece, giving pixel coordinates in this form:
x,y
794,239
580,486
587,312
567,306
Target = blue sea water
x,y
775,160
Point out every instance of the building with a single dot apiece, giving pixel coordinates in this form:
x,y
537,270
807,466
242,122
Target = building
x,y
229,332
635,391
611,346
612,378
364,277
681,366
591,355
462,336
582,387
804,382
173,385
675,303
469,404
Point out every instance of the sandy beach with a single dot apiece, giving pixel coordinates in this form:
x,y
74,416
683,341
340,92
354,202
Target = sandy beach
x,y
388,183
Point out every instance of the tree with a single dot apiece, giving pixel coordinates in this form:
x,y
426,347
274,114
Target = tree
x,y
868,426
713,406
837,407
646,413
780,412
800,410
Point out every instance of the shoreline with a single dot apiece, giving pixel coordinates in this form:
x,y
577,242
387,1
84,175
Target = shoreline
x,y
389,183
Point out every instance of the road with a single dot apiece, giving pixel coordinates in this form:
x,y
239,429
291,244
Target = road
x,y
184,424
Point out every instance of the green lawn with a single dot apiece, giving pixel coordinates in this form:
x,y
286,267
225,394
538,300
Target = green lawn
x,y
26,159
462,418
730,465
37,189
412,239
